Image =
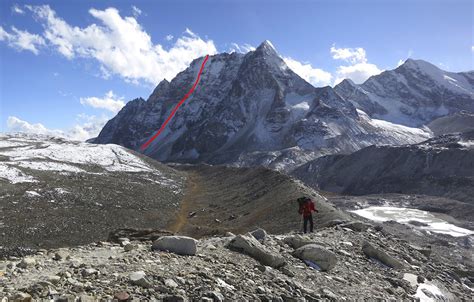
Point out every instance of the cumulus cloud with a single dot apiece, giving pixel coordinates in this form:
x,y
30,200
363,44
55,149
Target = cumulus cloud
x,y
169,37
120,45
109,102
315,76
87,127
17,10
359,70
352,55
15,124
21,40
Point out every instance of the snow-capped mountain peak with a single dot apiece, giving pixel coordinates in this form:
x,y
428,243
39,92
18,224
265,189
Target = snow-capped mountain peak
x,y
413,94
245,104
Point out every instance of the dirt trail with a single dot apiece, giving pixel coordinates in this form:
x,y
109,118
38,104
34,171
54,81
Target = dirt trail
x,y
182,216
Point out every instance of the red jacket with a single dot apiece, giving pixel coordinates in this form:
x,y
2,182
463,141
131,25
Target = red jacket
x,y
307,208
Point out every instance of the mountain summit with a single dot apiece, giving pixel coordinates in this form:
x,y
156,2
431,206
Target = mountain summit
x,y
413,94
246,108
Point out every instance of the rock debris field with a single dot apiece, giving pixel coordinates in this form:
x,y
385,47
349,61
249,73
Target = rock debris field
x,y
341,262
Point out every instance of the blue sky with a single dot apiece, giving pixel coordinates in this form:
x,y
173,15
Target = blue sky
x,y
68,66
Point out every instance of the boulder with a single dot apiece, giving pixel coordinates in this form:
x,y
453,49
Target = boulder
x,y
27,262
357,226
139,278
298,241
380,255
426,251
259,234
324,258
60,255
137,234
247,244
122,296
129,247
180,245
22,297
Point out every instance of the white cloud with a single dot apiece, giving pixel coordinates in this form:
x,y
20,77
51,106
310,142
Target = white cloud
x,y
169,37
136,11
244,48
15,124
317,77
352,55
121,46
109,102
21,40
17,10
357,72
472,48
89,127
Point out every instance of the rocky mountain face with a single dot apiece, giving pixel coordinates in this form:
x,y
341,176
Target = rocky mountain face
x,y
413,94
441,166
455,123
246,108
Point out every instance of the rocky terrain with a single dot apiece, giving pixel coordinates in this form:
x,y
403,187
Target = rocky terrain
x,y
55,193
442,166
337,263
85,222
456,123
249,110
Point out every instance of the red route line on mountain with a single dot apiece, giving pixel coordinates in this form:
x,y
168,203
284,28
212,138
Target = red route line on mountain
x,y
145,145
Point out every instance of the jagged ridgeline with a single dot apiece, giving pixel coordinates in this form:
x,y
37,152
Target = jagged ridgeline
x,y
252,109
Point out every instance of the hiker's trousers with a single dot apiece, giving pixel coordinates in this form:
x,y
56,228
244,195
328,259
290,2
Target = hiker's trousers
x,y
305,223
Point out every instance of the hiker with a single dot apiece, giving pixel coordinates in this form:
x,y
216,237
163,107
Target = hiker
x,y
306,209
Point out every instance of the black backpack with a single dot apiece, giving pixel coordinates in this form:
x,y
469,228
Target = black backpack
x,y
301,202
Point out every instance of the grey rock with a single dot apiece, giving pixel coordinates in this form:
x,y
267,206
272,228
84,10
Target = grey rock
x,y
324,258
89,272
171,283
259,234
60,255
139,278
298,241
250,246
129,247
27,262
372,252
181,245
357,226
22,297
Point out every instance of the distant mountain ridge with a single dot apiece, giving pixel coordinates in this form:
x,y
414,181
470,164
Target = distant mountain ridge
x,y
413,94
246,105
441,166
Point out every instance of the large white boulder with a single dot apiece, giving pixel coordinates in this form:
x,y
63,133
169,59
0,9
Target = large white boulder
x,y
317,254
247,244
380,255
180,245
